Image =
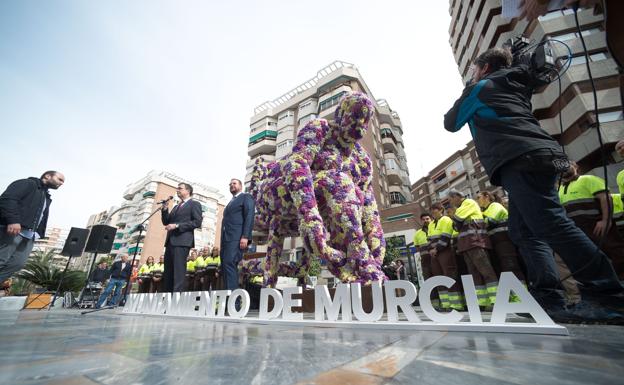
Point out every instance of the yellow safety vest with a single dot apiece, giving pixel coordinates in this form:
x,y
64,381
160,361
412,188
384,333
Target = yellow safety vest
x,y
158,268
440,232
213,261
145,269
200,262
579,196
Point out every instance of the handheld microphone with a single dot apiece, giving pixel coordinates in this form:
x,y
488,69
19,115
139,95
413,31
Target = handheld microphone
x,y
162,202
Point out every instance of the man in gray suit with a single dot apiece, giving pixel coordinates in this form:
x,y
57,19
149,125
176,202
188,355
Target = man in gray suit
x,y
238,218
180,224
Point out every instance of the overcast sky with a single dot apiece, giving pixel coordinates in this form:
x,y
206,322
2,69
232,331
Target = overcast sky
x,y
106,91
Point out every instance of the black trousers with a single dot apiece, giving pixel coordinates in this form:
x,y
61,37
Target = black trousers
x,y
175,268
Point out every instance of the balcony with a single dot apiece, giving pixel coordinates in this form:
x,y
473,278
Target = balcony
x,y
262,143
394,176
397,198
308,107
286,119
388,141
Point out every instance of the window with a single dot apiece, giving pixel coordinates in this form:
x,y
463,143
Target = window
x,y
307,118
304,105
556,14
421,191
396,198
574,35
330,102
285,144
581,59
439,178
288,114
611,116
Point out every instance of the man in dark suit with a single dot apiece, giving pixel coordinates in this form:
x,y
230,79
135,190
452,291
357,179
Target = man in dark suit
x,y
180,224
238,218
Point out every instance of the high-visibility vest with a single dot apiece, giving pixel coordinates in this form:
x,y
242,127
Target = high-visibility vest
x,y
200,262
470,224
421,242
439,232
579,196
190,266
158,267
495,216
618,210
145,269
620,181
213,261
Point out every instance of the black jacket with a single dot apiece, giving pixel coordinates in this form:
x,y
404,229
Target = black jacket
x,y
498,111
117,273
99,275
22,203
188,218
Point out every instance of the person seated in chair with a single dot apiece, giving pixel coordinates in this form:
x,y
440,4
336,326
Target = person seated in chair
x,y
120,271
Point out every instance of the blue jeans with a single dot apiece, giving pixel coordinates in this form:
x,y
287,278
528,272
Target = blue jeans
x,y
117,284
538,225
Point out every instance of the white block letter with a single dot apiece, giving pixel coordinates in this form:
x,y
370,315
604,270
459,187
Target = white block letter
x,y
425,300
323,303
470,292
508,283
245,301
356,302
289,303
393,303
278,303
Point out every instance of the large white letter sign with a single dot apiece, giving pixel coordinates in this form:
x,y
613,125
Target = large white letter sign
x,y
289,303
470,293
508,283
323,303
425,300
356,302
220,296
393,303
245,302
278,303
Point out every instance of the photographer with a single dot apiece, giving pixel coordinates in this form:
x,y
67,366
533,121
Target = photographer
x,y
521,157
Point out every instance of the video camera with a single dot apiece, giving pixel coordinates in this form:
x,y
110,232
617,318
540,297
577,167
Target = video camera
x,y
539,57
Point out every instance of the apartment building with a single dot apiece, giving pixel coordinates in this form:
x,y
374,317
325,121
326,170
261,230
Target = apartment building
x,y
53,242
461,171
274,126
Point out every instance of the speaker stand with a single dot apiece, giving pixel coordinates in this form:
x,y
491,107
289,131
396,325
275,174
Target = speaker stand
x,y
51,305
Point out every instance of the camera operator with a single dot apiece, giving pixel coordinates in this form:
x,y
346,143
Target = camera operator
x,y
521,157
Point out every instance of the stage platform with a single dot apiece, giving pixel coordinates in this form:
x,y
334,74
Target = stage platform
x,y
64,347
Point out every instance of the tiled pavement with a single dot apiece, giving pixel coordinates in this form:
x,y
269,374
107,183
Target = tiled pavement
x,y
64,347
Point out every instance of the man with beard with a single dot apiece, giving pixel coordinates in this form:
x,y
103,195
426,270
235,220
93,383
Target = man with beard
x,y
238,219
24,209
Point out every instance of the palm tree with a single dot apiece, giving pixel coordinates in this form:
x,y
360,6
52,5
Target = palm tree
x,y
40,271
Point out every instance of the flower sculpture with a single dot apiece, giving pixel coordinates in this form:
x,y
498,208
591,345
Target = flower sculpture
x,y
323,192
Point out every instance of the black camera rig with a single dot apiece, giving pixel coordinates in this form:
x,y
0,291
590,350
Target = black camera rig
x,y
538,57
